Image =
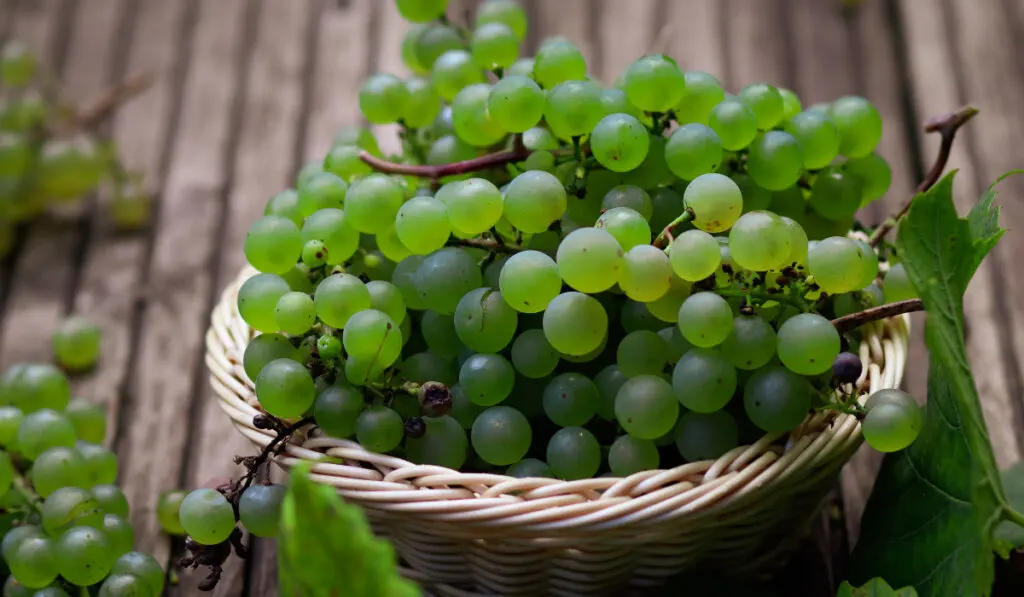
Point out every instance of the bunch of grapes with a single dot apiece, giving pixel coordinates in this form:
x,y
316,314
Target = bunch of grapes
x,y
66,522
562,279
50,152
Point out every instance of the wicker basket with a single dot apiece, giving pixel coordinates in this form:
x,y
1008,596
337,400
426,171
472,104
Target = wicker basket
x,y
468,534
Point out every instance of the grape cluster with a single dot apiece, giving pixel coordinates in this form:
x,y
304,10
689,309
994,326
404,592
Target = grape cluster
x,y
67,521
49,154
648,279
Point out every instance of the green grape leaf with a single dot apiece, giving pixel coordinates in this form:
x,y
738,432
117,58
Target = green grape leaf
x,y
326,547
929,522
1013,485
876,587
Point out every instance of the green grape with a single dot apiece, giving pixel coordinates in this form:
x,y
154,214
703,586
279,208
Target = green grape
x,y
539,138
44,429
286,203
125,585
68,507
869,263
608,382
464,411
751,344
556,61
674,341
68,169
344,162
423,103
444,443
540,160
695,255
320,191
404,278
448,149
439,333
390,245
422,225
516,103
33,386
361,372
716,202
706,436
487,379
10,419
533,356
776,399
16,535
570,399
654,83
444,277
575,323
897,285
629,196
734,123
257,299
506,12
646,273
285,388
408,52
328,346
330,227
619,142
629,455
589,260
501,435
120,533
340,296
379,429
295,313
453,71
167,507
808,343
529,280
817,136
473,205
874,174
692,150
261,350
573,108
616,102
383,99
111,499
76,343
17,64
207,516
472,121
702,93
666,308
435,40
775,161
529,468
84,555
760,241
533,201
484,322
385,297
666,204
259,509
626,225
646,407
705,319
371,336
142,566
766,103
893,420
641,352
859,125
336,410
372,203
314,253
836,195
55,468
790,104
573,453
494,45
421,11
797,242
33,562
704,380
836,264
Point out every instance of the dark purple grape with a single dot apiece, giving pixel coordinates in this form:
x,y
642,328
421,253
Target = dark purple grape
x,y
415,427
846,368
435,399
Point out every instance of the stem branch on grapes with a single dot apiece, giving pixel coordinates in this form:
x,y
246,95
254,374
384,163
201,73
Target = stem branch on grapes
x,y
761,295
488,244
253,463
665,237
947,126
855,320
518,153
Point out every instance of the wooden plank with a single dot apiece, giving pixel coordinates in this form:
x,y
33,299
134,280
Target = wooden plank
x,y
692,35
109,291
936,89
157,417
567,18
386,57
625,31
753,43
270,113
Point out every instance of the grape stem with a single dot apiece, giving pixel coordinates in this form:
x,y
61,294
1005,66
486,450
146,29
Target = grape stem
x,y
855,320
665,237
764,297
253,463
518,153
487,244
947,126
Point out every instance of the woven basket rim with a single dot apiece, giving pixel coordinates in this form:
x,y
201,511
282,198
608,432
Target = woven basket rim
x,y
469,503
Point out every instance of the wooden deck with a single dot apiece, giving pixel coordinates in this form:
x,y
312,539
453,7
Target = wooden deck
x,y
248,90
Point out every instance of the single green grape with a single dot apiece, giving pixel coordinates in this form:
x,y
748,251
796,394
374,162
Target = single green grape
x,y
570,399
379,429
320,191
473,205
777,399
695,255
494,45
333,229
766,103
646,273
501,435
534,200
654,83
338,297
336,410
734,123
575,323
516,103
692,150
666,308
874,174
423,103
68,507
641,352
573,453
573,108
484,322
265,348
533,356
372,203
702,93
629,455
626,225
706,436
295,313
421,11
619,142
10,419
893,420
473,123
422,225
506,12
142,566
836,194
168,506
775,160
84,555
716,202
529,468
808,343
837,264
589,260
760,241
704,380
344,162
453,71
125,585
285,389
557,61
383,99
259,509
705,319
257,299
818,138
859,125
751,343
32,386
44,429
55,468
76,343
444,277
120,533
646,406
444,443
487,378
207,516
33,562
529,281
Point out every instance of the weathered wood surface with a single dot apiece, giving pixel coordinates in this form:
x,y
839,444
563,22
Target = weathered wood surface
x,y
248,90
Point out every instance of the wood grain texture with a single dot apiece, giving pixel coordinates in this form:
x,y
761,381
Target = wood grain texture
x,y
753,43
157,421
625,32
690,34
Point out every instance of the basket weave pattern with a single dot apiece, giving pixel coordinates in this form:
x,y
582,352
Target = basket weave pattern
x,y
494,534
